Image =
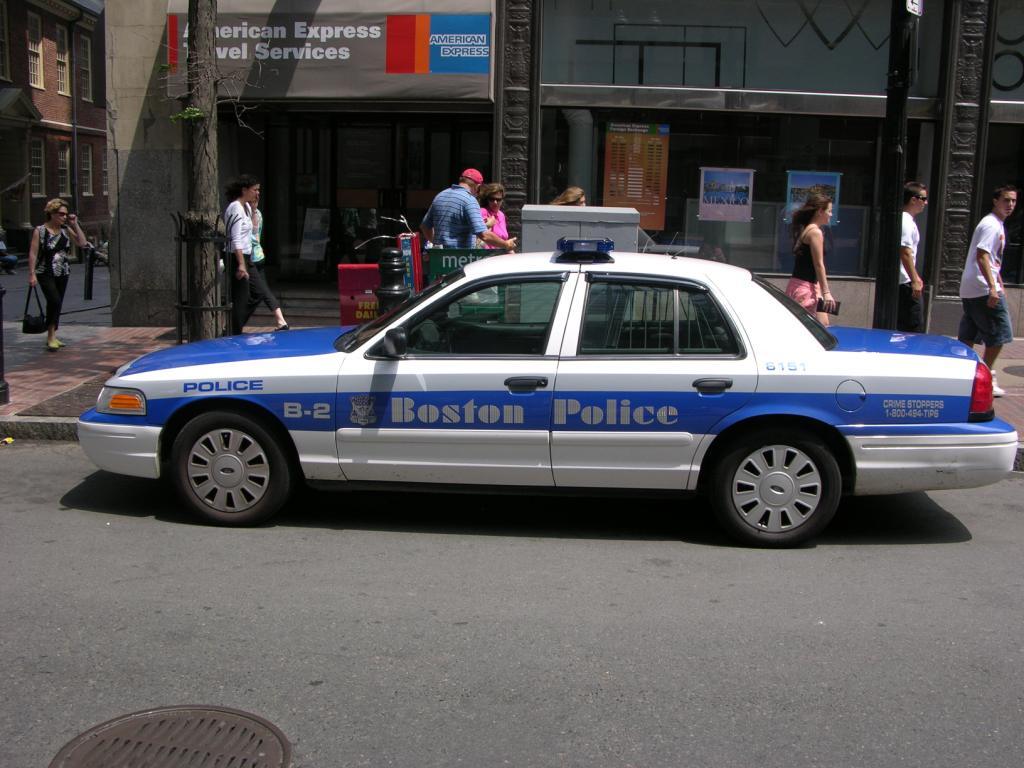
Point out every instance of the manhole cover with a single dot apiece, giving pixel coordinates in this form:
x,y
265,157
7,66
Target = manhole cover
x,y
176,737
1014,370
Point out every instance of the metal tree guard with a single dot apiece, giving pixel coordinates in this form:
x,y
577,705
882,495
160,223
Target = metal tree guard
x,y
189,242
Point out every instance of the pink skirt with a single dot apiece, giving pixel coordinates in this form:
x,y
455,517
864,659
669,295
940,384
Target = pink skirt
x,y
803,292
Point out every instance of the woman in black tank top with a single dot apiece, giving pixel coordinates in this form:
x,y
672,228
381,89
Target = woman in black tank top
x,y
809,281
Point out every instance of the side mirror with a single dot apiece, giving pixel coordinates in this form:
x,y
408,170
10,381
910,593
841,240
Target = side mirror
x,y
394,344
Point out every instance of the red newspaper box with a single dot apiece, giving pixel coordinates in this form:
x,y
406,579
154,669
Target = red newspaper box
x,y
356,285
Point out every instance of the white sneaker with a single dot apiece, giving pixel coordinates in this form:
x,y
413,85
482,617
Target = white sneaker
x,y
997,391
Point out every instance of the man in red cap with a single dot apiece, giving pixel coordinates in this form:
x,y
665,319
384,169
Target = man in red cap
x,y
454,221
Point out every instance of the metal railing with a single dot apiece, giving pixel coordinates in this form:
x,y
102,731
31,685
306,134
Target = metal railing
x,y
192,262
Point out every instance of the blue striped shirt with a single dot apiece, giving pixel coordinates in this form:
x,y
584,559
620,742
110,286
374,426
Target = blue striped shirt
x,y
455,218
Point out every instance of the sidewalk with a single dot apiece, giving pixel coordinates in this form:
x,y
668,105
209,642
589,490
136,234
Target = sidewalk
x,y
48,390
1010,408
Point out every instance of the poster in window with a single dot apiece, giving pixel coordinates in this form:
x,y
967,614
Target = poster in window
x,y
801,184
315,234
726,194
636,170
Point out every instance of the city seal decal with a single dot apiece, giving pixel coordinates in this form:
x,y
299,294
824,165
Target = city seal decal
x,y
362,412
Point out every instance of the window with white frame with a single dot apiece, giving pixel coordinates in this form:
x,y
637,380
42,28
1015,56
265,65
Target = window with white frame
x,y
104,176
37,168
85,67
34,34
63,84
85,175
64,168
5,43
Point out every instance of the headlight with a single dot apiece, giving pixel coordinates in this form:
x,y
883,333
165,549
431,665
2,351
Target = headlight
x,y
121,402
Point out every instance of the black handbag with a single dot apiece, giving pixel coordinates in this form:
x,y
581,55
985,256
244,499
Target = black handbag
x,y
33,323
823,307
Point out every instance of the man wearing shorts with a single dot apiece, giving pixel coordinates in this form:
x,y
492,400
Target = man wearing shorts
x,y
981,286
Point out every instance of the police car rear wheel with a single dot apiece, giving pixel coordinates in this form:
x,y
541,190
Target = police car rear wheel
x,y
229,469
777,493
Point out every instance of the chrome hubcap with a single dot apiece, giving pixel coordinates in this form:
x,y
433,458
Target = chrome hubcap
x,y
228,470
776,488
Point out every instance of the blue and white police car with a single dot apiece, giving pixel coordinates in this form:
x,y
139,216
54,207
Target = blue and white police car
x,y
578,369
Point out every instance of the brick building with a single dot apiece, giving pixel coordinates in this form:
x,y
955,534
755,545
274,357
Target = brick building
x,y
53,124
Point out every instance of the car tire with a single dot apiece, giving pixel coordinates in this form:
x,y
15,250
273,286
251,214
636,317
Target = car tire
x,y
776,488
229,469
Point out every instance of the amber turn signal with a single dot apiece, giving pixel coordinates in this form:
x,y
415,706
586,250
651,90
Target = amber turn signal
x,y
124,402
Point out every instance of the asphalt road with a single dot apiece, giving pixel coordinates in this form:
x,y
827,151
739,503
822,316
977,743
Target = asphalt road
x,y
422,631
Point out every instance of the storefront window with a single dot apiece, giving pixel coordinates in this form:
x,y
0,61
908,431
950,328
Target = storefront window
x,y
1005,165
361,174
831,46
772,146
1008,55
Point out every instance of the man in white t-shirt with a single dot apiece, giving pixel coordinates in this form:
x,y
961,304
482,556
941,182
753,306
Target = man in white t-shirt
x,y
981,286
909,316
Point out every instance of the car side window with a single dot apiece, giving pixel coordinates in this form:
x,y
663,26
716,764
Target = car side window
x,y
703,328
623,318
636,319
507,318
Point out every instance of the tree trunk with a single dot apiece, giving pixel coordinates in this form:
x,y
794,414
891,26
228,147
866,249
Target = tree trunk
x,y
201,219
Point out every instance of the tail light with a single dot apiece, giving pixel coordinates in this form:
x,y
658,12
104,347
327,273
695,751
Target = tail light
x,y
981,395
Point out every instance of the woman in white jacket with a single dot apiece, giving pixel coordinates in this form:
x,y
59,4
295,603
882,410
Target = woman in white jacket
x,y
242,192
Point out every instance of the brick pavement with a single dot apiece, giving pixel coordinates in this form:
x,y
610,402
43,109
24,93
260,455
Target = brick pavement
x,y
34,374
1010,373
50,373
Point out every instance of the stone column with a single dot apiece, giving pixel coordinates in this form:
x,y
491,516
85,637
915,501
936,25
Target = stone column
x,y
514,102
960,162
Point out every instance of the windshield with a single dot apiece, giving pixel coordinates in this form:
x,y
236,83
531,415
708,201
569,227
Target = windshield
x,y
352,339
818,331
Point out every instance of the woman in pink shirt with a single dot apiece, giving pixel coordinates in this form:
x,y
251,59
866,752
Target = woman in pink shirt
x,y
491,197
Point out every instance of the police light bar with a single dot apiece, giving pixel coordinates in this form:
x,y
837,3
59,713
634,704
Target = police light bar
x,y
590,249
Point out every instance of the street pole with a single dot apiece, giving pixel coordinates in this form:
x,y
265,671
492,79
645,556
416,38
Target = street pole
x,y
903,26
5,392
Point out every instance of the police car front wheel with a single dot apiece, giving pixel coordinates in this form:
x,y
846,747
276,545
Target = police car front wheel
x,y
229,469
776,491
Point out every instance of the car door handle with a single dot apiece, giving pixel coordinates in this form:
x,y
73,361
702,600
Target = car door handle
x,y
712,386
526,383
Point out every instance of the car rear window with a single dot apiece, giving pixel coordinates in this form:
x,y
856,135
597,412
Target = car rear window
x,y
817,330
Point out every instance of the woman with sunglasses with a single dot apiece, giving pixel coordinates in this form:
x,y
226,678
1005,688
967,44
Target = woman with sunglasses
x,y
491,197
49,265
